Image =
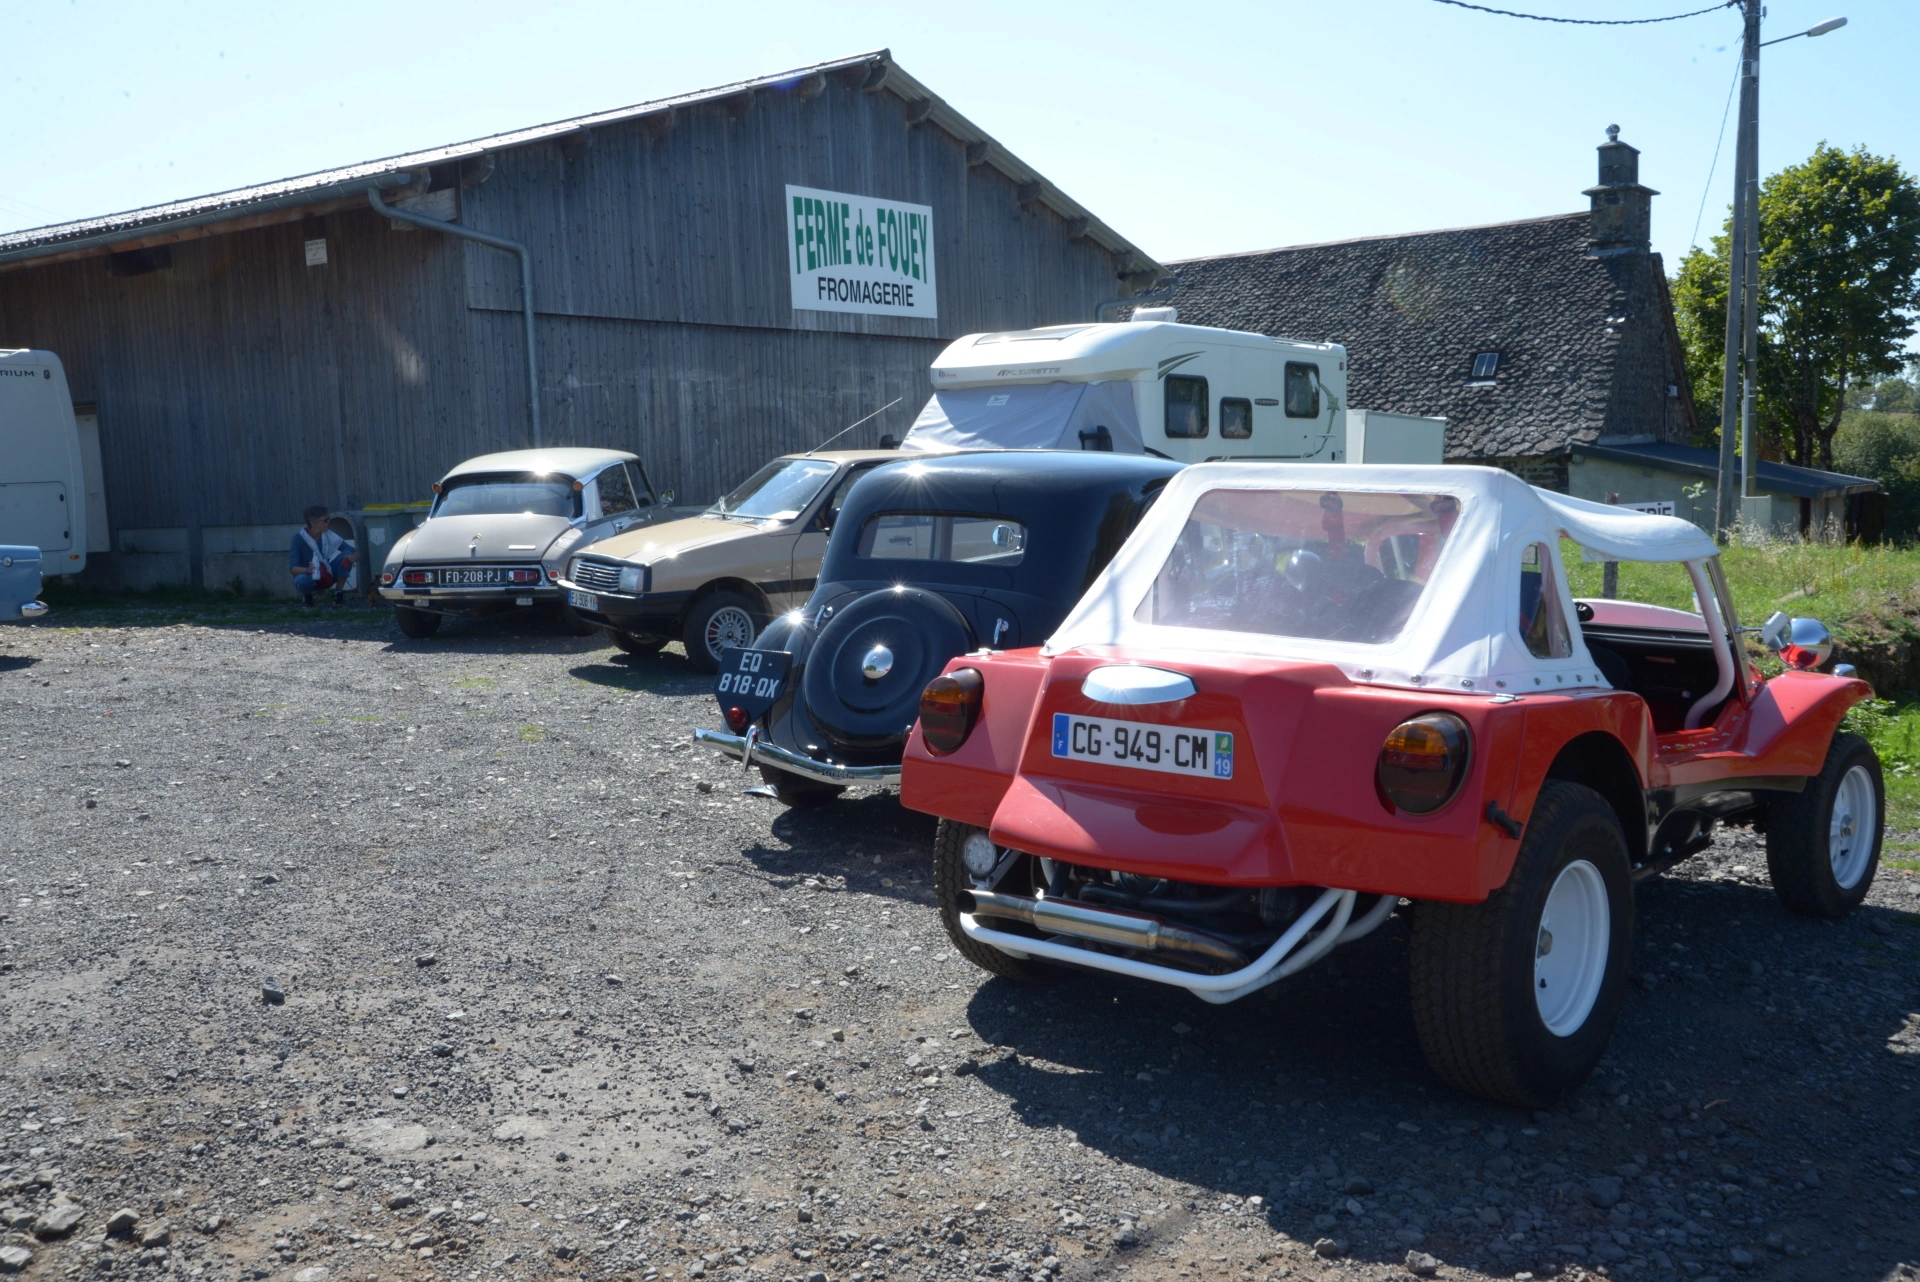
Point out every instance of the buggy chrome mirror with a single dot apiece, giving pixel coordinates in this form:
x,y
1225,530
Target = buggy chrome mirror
x,y
1803,644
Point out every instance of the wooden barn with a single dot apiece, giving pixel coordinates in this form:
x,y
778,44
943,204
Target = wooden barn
x,y
715,278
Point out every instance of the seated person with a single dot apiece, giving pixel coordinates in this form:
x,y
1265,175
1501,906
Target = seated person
x,y
318,558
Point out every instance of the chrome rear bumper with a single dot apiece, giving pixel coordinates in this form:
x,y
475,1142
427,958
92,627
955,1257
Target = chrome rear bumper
x,y
752,750
33,609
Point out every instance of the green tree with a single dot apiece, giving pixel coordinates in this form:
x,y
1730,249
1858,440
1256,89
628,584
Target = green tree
x,y
1839,278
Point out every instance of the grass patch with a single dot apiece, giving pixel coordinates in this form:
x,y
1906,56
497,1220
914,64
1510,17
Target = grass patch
x,y
476,683
1894,731
532,734
1865,595
1899,864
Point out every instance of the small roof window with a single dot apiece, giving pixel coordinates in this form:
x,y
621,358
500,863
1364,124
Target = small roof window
x,y
1485,364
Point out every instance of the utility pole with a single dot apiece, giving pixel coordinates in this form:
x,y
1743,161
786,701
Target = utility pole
x,y
1743,263
1741,371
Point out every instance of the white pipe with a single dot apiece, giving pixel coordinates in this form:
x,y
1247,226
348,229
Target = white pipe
x,y
1722,646
1323,943
1371,921
1199,985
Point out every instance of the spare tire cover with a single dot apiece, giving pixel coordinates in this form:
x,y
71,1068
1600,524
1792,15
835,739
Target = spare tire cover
x,y
919,630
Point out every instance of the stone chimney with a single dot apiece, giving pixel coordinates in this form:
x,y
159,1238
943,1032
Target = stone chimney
x,y
1622,208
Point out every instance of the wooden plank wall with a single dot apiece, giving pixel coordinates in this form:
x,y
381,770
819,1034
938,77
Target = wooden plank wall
x,y
239,385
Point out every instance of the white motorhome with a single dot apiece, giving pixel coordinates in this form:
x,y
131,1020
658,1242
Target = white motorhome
x,y
1151,385
43,490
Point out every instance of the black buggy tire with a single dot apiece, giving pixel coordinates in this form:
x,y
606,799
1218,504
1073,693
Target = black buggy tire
x,y
634,643
949,880
721,621
1494,1016
1823,847
801,794
418,624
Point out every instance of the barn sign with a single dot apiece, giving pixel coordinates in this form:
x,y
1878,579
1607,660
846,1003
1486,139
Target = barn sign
x,y
851,253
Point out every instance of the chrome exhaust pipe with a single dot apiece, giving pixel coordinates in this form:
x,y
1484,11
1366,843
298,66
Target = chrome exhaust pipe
x,y
1105,925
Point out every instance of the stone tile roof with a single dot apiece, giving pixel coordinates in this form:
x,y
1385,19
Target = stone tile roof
x,y
1414,310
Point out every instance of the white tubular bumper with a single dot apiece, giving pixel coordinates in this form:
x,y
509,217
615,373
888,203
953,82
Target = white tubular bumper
x,y
1286,956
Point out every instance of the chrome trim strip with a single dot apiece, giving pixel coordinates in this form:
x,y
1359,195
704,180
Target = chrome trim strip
x,y
736,746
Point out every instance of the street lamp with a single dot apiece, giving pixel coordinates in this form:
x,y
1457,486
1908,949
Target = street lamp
x,y
1739,373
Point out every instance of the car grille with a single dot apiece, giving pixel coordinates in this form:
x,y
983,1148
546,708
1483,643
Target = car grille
x,y
596,576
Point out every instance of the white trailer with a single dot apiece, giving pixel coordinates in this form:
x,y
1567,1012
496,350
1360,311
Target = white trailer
x,y
1151,385
43,490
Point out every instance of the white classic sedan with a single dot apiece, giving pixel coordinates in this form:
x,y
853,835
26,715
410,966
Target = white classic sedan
x,y
501,526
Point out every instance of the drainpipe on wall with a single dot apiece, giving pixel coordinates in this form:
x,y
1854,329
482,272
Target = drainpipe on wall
x,y
526,287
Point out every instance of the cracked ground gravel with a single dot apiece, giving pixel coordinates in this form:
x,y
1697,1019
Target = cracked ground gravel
x,y
327,955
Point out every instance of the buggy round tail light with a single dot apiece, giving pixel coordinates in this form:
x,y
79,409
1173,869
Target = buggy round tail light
x,y
737,719
1423,763
948,708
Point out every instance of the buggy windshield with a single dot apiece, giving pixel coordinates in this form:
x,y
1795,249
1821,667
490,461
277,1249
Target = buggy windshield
x,y
1344,565
509,494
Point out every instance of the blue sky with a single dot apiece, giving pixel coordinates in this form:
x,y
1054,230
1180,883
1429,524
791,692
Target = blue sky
x,y
1193,129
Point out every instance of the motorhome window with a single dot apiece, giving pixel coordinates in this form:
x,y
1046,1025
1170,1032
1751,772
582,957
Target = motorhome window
x,y
1186,406
1303,390
616,491
940,536
779,491
1543,626
1236,418
508,494
1337,565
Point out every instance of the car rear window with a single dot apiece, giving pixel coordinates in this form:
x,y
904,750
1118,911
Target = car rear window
x,y
1335,565
508,493
943,536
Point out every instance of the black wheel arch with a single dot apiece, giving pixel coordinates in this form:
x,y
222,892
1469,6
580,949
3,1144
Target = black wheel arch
x,y
1601,762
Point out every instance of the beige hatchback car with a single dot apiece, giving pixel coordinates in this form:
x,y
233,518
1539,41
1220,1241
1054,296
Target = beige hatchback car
x,y
713,581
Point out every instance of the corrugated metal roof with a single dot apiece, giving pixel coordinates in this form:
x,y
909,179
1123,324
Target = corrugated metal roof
x,y
39,242
1777,478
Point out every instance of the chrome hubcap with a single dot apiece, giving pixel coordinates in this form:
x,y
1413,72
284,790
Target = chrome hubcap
x,y
1850,831
1570,952
729,628
877,664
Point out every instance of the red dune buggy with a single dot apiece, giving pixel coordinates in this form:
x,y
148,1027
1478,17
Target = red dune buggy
x,y
1301,694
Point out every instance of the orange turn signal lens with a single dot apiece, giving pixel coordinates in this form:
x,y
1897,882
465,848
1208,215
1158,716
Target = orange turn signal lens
x,y
1423,763
949,706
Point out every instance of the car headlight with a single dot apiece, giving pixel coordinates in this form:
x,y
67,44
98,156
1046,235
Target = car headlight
x,y
634,579
1423,763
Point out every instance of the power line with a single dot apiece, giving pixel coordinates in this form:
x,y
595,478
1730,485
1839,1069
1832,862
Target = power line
x,y
1589,22
1719,141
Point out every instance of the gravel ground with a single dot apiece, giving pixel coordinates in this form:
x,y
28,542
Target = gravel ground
x,y
330,955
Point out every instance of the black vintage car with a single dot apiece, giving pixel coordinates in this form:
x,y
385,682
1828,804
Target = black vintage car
x,y
930,559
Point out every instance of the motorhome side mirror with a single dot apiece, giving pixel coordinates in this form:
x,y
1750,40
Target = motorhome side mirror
x,y
1773,633
1809,645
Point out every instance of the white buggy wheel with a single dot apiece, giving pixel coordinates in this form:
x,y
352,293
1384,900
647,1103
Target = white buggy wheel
x,y
1851,830
1570,952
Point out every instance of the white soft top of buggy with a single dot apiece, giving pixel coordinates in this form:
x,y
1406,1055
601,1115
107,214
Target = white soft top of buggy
x,y
1463,632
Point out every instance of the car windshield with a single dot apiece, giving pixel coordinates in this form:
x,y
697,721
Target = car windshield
x,y
1345,565
780,491
509,493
